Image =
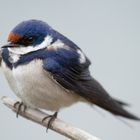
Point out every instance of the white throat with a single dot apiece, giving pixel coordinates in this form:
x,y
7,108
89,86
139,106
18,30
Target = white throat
x,y
24,50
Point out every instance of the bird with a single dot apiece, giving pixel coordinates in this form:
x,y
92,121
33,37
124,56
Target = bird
x,y
46,70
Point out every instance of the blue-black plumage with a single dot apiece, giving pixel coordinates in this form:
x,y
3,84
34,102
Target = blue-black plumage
x,y
33,44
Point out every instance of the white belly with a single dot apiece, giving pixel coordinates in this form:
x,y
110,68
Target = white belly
x,y
36,87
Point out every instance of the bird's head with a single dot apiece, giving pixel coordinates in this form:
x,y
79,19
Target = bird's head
x,y
30,34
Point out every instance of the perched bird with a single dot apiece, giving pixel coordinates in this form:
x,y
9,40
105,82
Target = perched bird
x,y
46,70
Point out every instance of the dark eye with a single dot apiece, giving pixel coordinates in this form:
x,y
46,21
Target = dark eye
x,y
30,39
27,40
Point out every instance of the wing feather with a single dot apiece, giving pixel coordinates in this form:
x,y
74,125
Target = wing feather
x,y
76,77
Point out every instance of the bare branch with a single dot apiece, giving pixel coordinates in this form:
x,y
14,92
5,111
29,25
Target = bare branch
x,y
58,125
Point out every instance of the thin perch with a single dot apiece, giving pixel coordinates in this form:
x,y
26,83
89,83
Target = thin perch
x,y
58,125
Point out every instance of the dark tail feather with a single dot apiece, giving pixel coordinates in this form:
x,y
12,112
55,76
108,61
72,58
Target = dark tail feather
x,y
122,103
96,94
116,108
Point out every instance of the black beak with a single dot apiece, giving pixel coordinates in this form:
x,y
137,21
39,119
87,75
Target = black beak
x,y
10,45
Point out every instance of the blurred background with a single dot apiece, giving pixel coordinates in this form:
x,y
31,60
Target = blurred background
x,y
109,34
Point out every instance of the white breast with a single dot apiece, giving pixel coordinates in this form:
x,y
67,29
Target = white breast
x,y
37,88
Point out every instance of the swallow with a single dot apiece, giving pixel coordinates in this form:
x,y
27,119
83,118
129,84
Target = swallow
x,y
46,70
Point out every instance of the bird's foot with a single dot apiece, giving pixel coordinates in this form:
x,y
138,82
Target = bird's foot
x,y
20,107
52,118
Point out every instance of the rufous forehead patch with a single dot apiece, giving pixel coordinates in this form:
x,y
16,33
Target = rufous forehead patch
x,y
13,37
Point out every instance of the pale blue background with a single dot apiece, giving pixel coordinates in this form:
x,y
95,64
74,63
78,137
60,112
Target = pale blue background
x,y
109,33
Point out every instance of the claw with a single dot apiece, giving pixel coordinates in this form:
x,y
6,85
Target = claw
x,y
20,105
52,118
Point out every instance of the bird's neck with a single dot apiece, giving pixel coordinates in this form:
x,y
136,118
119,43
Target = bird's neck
x,y
14,59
